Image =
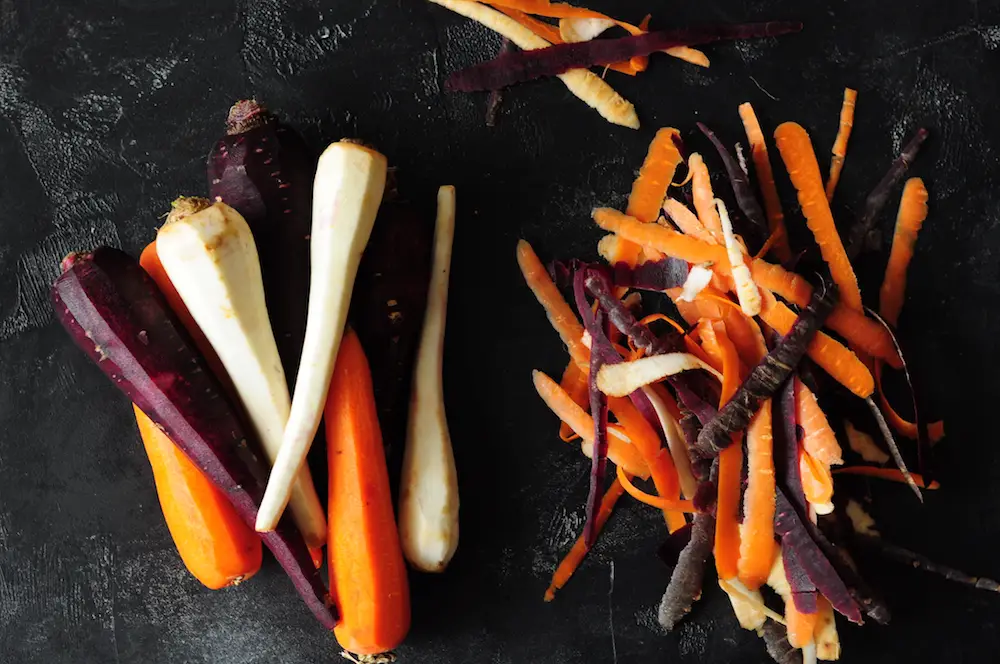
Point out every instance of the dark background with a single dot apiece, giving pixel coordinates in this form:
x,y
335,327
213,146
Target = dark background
x,y
107,110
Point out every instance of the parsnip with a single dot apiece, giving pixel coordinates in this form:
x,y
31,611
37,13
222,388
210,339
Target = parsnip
x,y
350,181
428,501
210,256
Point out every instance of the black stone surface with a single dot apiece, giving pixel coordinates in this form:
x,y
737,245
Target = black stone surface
x,y
107,110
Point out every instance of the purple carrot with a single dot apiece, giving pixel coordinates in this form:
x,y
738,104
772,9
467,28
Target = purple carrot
x,y
862,235
740,182
520,66
803,589
651,275
496,96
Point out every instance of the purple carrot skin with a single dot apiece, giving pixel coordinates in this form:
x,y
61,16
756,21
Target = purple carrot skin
x,y
776,641
651,275
598,463
520,66
740,182
862,235
264,170
786,450
803,589
387,310
114,313
496,96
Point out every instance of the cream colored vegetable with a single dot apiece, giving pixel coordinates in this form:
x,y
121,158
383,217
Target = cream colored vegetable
x,y
210,256
746,289
675,443
428,493
624,378
350,181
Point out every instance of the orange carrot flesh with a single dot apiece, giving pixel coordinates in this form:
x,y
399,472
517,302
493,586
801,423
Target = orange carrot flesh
x,y
838,361
817,480
686,220
620,448
367,573
727,528
654,501
800,625
909,220
657,172
890,474
800,161
765,179
757,533
658,237
840,143
574,382
704,199
818,438
213,541
578,552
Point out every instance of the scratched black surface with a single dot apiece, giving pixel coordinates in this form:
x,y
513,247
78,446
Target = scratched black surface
x,y
107,110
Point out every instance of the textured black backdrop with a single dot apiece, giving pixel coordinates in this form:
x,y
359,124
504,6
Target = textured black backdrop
x,y
107,110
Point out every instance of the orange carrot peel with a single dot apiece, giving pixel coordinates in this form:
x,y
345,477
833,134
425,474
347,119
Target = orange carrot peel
x,y
840,143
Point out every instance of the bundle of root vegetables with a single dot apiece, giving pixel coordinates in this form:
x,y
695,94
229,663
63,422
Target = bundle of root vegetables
x,y
727,406
240,293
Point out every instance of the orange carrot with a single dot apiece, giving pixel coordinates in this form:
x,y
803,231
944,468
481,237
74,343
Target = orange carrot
x,y
756,554
843,365
817,482
891,474
911,216
765,178
666,240
621,451
579,550
818,438
840,144
743,331
800,161
655,175
574,382
727,528
615,249
800,625
653,501
686,220
214,543
367,573
704,199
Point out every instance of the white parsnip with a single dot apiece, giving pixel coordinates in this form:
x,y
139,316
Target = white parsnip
x,y
746,289
675,443
583,83
575,29
210,255
428,491
624,378
350,181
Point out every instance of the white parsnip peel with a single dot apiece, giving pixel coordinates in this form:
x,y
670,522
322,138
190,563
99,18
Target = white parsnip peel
x,y
624,378
746,289
350,181
583,83
576,29
675,443
428,491
210,256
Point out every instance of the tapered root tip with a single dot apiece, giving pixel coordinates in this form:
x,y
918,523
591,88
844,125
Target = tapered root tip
x,y
245,115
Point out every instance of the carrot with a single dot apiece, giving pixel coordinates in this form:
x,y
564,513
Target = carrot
x,y
817,482
686,220
620,448
843,365
757,547
911,216
727,528
579,550
818,438
655,175
704,199
765,179
935,430
654,501
615,249
797,152
574,382
666,240
891,474
560,315
800,625
367,572
215,544
840,144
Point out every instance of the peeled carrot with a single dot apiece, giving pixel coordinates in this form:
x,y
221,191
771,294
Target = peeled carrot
x,y
574,382
840,144
800,625
911,216
765,179
727,527
216,545
666,240
655,175
654,501
891,474
757,547
704,199
817,482
686,220
578,552
367,571
843,365
800,161
818,438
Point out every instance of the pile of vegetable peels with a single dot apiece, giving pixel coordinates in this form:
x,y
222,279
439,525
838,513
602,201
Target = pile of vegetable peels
x,y
737,407
569,49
